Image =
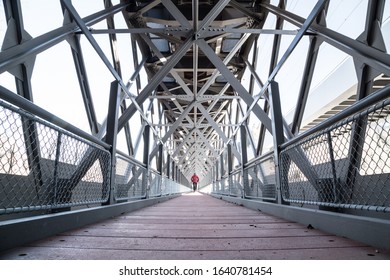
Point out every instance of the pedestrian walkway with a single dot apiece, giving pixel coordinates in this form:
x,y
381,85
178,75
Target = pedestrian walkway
x,y
196,226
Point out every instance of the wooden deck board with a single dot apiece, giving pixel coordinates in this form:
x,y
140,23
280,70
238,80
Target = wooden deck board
x,y
195,226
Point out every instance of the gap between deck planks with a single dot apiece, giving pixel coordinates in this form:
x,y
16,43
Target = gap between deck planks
x,y
195,226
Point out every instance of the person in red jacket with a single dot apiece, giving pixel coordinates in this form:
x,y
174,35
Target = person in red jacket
x,y
194,180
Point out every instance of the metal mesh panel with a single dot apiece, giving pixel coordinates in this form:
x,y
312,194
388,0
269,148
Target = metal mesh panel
x,y
170,187
259,180
45,167
346,165
232,185
130,180
223,186
155,184
235,184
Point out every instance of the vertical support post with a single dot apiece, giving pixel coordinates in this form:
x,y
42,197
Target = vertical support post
x,y
111,136
117,66
23,73
145,179
173,171
333,163
222,165
244,156
222,172
160,164
168,166
372,36
56,165
274,61
230,163
277,132
214,189
217,179
229,158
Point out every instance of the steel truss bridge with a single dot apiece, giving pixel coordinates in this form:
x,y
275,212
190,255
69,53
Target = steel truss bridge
x,y
201,86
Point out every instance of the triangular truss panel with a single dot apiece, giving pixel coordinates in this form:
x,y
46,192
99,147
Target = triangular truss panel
x,y
198,99
198,95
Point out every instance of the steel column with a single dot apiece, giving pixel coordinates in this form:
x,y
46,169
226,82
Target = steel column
x,y
372,37
146,160
368,55
22,74
277,129
111,136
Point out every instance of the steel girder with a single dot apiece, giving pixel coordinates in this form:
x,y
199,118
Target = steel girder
x,y
195,54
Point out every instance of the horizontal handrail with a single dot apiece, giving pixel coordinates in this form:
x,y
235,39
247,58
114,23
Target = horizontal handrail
x,y
256,160
131,159
35,110
368,101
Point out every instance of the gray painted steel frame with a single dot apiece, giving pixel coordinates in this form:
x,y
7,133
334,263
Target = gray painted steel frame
x,y
208,131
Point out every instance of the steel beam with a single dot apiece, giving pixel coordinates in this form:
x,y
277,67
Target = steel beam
x,y
19,54
111,136
68,5
372,37
273,63
176,13
366,54
117,66
17,34
239,88
307,77
183,31
216,128
157,79
173,128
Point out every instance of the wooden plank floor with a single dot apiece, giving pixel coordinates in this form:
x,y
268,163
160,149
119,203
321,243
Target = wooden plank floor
x,y
195,226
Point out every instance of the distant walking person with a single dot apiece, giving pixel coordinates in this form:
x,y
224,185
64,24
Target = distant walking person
x,y
194,180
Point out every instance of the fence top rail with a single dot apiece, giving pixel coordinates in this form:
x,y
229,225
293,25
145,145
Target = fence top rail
x,y
34,110
365,103
258,159
136,162
130,159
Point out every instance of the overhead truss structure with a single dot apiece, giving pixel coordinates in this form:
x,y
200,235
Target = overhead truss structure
x,y
196,105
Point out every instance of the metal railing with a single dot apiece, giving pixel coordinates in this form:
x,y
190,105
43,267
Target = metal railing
x,y
231,185
171,187
259,178
46,164
43,166
344,162
134,181
256,181
349,161
130,179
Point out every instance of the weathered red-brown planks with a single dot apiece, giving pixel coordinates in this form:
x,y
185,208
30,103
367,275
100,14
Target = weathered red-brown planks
x,y
196,226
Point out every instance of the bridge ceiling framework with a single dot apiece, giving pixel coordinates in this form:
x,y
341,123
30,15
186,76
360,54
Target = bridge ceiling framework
x,y
206,105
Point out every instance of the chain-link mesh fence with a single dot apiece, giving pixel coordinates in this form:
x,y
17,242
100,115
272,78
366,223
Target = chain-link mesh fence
x,y
130,180
171,187
259,179
346,165
222,186
235,182
45,167
133,181
154,184
231,185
